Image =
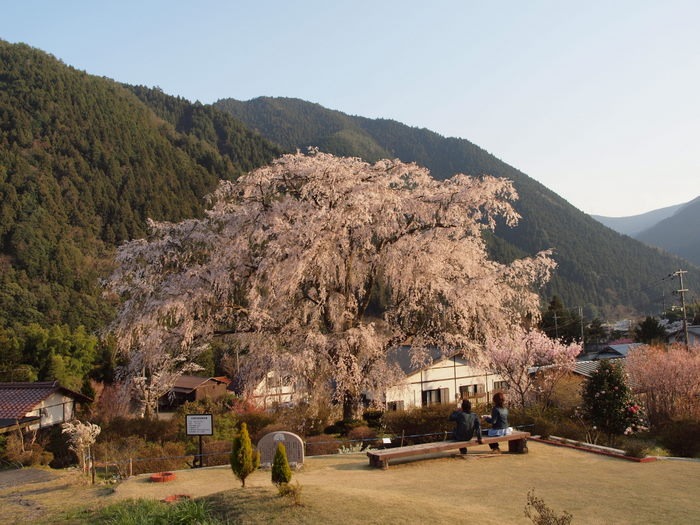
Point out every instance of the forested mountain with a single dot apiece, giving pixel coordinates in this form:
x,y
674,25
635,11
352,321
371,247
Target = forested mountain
x,y
679,233
598,268
84,161
635,224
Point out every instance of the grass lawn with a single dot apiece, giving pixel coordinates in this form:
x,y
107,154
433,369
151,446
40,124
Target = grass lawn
x,y
483,488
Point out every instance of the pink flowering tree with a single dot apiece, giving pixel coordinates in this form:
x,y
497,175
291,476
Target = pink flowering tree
x,y
324,264
668,379
530,362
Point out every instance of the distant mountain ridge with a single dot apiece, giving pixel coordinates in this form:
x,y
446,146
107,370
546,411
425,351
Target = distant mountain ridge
x,y
675,229
678,234
598,268
635,224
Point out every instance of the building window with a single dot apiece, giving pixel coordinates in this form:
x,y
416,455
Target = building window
x,y
394,406
436,397
500,385
472,391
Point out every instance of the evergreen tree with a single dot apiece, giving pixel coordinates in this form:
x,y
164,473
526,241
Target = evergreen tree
x,y
244,459
281,472
649,331
608,402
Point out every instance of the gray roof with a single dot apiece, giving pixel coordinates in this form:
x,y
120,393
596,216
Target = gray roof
x,y
401,355
586,368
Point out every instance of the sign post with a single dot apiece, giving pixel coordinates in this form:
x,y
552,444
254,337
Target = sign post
x,y
199,425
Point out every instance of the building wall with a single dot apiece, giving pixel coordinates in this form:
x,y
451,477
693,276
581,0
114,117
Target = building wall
x,y
274,390
211,390
445,377
54,410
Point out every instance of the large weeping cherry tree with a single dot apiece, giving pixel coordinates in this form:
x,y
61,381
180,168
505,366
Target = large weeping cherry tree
x,y
290,257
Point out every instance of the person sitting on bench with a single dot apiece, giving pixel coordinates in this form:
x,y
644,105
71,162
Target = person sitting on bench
x,y
498,419
466,424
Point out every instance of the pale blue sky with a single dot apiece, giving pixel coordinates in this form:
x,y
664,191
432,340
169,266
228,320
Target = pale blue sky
x,y
598,100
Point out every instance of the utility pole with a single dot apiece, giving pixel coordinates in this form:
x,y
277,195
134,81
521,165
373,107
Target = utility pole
x,y
682,292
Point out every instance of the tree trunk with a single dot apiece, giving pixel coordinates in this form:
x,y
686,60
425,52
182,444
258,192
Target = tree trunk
x,y
351,406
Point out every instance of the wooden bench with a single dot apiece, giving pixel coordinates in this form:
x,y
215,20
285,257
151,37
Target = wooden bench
x,y
517,444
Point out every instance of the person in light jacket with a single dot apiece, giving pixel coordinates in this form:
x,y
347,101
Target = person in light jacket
x,y
498,419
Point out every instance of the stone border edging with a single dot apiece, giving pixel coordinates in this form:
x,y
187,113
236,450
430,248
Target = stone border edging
x,y
647,459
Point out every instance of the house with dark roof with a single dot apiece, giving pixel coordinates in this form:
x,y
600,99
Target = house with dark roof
x,y
188,388
36,405
614,350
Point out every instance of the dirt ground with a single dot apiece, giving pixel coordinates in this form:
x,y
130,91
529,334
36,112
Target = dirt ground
x,y
480,488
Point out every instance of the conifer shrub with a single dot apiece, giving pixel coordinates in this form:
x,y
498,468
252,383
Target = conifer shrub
x,y
281,472
244,458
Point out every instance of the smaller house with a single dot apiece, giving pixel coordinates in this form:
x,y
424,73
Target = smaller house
x,y
445,380
189,388
32,406
693,336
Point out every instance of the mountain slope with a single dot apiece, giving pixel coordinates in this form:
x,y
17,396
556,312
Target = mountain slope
x,y
598,268
83,163
635,224
678,234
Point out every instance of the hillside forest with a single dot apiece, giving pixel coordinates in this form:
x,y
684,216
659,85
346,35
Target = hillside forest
x,y
86,160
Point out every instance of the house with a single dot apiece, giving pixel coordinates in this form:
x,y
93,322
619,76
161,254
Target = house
x,y
274,389
36,405
445,380
693,336
614,350
189,388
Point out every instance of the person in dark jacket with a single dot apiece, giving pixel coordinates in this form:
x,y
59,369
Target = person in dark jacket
x,y
498,419
467,424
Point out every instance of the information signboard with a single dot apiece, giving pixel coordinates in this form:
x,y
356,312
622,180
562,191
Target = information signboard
x,y
199,424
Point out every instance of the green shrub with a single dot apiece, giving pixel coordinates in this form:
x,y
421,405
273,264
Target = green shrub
x,y
148,512
681,438
244,459
636,448
373,418
417,422
281,472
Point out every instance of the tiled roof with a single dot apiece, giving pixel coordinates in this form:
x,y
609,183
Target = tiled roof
x,y
16,399
186,384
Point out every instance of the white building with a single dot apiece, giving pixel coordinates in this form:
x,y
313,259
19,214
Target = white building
x,y
445,380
